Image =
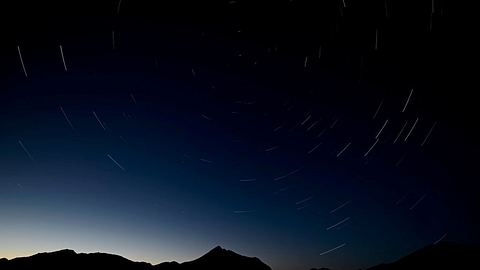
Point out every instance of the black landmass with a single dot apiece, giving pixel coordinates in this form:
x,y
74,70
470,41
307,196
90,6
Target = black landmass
x,y
216,259
442,256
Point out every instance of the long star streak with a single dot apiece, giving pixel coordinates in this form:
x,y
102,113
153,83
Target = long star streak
x,y
304,200
116,163
26,150
242,211
118,6
380,131
21,61
333,249
314,148
66,117
248,180
417,202
411,129
408,100
338,223
400,133
63,58
339,207
286,175
378,109
371,147
344,148
440,239
428,134
99,121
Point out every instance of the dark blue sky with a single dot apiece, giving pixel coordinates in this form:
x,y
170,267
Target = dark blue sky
x,y
280,129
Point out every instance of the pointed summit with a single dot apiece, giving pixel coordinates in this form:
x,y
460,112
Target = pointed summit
x,y
220,258
215,253
216,249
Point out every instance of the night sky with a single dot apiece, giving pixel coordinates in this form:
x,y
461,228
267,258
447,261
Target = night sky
x,y
306,133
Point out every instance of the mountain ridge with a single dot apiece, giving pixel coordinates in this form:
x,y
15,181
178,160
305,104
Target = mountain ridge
x,y
216,258
439,256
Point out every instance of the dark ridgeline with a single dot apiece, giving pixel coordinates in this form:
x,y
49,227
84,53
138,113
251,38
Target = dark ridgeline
x,y
216,259
442,256
69,259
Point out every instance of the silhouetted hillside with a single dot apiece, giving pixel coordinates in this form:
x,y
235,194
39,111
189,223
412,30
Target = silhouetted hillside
x,y
442,256
218,258
68,259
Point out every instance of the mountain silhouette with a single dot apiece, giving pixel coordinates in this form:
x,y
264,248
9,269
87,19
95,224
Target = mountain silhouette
x,y
216,259
441,256
219,258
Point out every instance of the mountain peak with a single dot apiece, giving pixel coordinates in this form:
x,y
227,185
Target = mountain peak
x,y
217,250
220,258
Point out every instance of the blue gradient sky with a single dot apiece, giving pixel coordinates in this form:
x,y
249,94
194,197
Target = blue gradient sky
x,y
186,139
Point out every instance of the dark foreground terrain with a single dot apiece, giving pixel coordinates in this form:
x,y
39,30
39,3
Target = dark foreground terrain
x,y
217,258
441,256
